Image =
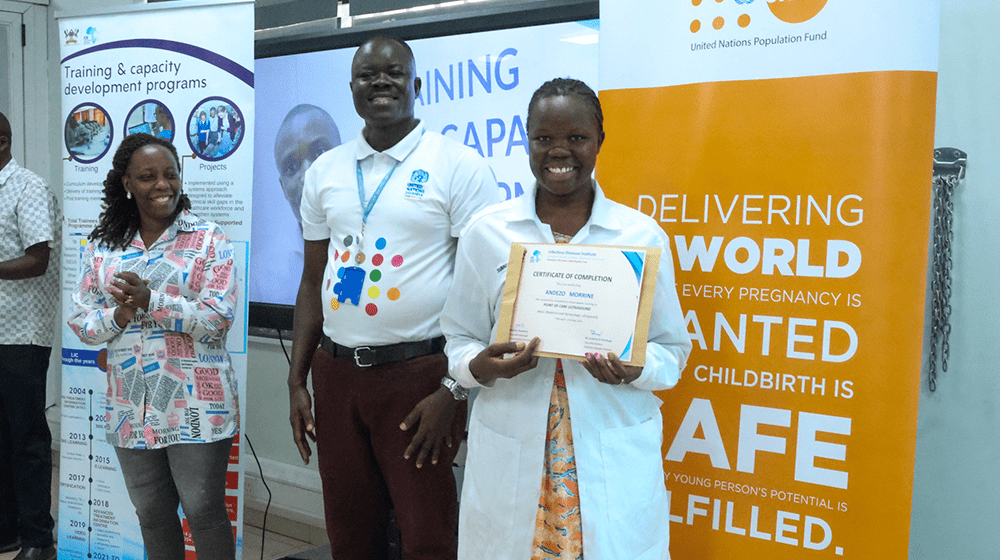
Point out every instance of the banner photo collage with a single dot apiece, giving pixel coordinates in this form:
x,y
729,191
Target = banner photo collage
x,y
786,151
155,69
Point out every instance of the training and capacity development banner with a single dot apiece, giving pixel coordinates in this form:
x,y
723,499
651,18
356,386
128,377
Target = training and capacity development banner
x,y
182,71
475,90
785,147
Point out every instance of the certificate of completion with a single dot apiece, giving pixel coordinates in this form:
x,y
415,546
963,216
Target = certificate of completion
x,y
580,299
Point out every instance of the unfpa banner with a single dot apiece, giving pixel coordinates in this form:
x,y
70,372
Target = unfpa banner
x,y
785,147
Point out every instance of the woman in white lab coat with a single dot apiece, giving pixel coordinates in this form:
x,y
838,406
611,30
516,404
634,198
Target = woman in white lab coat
x,y
564,456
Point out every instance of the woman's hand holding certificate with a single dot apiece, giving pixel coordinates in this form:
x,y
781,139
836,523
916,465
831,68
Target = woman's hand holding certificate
x,y
609,369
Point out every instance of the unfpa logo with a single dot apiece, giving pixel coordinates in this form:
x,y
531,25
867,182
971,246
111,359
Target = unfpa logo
x,y
795,11
788,11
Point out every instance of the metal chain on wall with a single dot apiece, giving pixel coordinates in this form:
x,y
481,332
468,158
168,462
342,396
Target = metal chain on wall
x,y
949,169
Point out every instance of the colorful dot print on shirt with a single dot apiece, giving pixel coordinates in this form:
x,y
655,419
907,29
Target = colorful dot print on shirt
x,y
351,285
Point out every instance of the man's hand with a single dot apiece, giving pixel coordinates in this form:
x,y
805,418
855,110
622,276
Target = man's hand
x,y
301,418
610,370
433,417
490,364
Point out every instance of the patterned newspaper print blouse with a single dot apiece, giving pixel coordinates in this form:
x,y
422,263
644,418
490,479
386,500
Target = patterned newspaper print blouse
x,y
169,375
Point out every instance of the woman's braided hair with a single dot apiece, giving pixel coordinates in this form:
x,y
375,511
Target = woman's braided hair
x,y
120,218
564,87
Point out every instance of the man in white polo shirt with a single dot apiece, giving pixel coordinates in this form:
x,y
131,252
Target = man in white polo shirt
x,y
381,216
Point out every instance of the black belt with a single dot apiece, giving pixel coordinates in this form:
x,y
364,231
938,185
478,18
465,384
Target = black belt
x,y
367,356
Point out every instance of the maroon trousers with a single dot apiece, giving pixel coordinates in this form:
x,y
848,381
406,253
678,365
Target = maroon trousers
x,y
360,448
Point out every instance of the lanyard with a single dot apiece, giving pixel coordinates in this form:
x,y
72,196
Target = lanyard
x,y
367,208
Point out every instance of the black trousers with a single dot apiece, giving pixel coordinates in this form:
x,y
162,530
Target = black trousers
x,y
25,447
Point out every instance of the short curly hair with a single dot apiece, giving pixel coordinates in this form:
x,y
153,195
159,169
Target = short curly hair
x,y
565,87
120,218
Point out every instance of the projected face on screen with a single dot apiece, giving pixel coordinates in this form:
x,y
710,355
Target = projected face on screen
x,y
475,90
304,135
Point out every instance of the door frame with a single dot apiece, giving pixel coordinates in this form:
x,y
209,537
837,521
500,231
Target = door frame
x,y
32,124
13,80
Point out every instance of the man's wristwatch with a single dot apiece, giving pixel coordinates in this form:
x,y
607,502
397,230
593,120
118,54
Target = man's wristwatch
x,y
460,393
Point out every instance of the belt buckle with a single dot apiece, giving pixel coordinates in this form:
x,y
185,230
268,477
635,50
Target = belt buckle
x,y
357,356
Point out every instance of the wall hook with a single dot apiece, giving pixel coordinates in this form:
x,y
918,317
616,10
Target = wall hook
x,y
950,161
949,169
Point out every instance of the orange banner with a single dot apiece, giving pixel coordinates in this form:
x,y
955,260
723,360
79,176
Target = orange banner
x,y
798,211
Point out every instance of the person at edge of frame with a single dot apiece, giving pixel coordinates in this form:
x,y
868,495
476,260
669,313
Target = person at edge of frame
x,y
30,233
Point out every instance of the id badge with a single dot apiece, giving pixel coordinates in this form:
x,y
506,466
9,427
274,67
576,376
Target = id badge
x,y
348,290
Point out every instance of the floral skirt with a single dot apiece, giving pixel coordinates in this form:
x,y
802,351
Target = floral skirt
x,y
558,529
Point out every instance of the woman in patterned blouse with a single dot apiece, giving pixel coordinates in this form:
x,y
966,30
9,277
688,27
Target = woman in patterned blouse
x,y
157,286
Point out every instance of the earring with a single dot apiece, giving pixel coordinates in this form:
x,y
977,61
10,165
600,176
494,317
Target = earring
x,y
128,195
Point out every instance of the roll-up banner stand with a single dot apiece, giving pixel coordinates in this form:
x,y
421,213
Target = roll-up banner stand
x,y
146,68
785,146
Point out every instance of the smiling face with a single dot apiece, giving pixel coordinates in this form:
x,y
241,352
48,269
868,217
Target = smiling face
x,y
306,133
154,181
383,83
564,140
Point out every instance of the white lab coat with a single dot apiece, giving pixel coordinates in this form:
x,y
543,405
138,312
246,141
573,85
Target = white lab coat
x,y
617,430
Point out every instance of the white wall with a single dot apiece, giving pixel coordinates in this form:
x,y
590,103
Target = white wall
x,y
956,495
295,487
